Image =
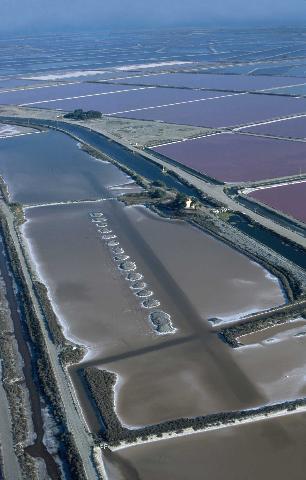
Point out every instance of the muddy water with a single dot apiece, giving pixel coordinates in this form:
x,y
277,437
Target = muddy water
x,y
49,167
268,449
94,303
289,199
192,275
235,158
277,361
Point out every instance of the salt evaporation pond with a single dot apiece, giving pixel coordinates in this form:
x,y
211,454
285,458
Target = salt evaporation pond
x,y
210,81
231,110
50,167
48,93
266,449
291,127
129,99
98,308
289,199
7,83
239,158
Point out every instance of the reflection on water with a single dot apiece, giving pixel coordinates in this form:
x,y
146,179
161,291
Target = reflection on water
x,y
51,168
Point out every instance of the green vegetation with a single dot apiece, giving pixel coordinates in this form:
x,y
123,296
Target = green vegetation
x,y
179,202
79,114
158,183
157,193
18,212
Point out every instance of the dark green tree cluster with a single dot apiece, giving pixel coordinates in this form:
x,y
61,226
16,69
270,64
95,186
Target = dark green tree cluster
x,y
79,114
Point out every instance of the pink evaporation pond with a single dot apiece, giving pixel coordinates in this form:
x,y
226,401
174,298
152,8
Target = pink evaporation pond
x,y
289,199
225,111
238,158
292,127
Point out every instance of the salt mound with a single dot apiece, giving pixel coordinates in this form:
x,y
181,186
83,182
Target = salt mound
x,y
108,237
138,285
144,293
161,322
150,303
121,258
96,214
127,266
118,250
113,243
134,277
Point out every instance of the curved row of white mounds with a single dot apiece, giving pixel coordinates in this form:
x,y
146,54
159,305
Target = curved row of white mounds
x,y
127,266
138,285
161,322
134,277
150,303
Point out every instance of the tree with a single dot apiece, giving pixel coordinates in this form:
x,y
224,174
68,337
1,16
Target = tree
x,y
180,201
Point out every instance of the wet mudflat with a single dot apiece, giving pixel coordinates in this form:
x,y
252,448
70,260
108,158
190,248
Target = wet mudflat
x,y
265,449
238,158
292,127
129,99
14,130
233,110
98,307
211,81
289,199
50,167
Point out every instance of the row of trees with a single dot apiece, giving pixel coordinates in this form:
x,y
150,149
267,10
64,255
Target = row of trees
x,y
80,114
